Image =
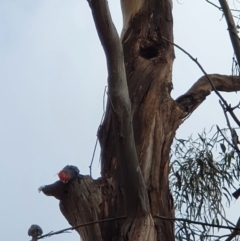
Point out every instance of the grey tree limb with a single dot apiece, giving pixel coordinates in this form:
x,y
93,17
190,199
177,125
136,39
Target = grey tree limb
x,y
135,191
231,29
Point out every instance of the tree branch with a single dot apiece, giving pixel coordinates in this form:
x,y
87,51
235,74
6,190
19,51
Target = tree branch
x,y
235,229
202,88
216,6
233,132
136,195
202,69
231,28
79,226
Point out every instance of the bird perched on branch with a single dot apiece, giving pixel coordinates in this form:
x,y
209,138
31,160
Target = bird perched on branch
x,y
59,188
35,231
68,173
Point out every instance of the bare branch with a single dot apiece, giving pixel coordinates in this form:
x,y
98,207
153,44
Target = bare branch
x,y
79,226
225,138
202,69
235,229
202,88
226,83
95,147
94,150
233,132
216,6
231,28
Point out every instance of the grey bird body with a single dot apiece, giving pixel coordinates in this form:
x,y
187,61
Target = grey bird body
x,y
35,231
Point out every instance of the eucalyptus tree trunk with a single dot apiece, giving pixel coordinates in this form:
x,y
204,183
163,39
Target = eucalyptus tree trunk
x,y
134,180
138,129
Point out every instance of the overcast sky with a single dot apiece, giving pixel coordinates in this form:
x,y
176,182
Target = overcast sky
x,y
52,79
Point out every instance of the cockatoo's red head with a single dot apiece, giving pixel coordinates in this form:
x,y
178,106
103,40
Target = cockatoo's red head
x,y
63,176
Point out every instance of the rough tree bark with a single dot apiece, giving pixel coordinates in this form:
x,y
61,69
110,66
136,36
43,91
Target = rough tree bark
x,y
138,129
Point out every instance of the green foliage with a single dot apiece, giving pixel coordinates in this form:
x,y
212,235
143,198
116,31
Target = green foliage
x,y
203,173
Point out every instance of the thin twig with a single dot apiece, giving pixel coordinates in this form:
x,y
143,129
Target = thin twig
x,y
94,150
225,138
196,222
109,97
214,5
200,66
124,217
233,34
79,226
234,10
104,105
235,107
234,144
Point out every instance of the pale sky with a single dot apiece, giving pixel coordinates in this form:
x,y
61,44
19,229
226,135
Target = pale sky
x,y
52,79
